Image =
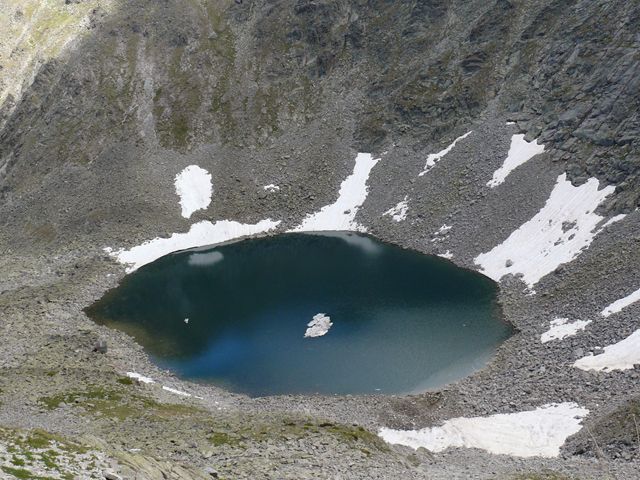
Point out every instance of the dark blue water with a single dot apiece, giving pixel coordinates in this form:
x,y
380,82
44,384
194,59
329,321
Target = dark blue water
x,y
402,321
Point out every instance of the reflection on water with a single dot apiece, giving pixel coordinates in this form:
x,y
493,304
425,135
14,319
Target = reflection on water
x,y
401,321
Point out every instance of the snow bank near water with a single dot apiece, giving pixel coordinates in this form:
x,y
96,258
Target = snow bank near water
x,y
319,326
540,432
200,234
558,233
193,186
520,152
434,158
619,356
341,214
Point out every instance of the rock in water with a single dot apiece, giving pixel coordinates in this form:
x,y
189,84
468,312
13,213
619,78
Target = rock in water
x,y
319,326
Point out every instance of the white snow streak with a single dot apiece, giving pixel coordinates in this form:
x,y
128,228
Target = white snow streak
x,y
618,305
176,392
614,219
201,233
399,212
557,234
448,255
193,186
319,326
341,214
540,432
561,328
520,151
434,158
140,378
619,356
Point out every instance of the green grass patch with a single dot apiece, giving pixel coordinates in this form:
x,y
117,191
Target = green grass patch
x,y
256,431
22,473
118,404
542,476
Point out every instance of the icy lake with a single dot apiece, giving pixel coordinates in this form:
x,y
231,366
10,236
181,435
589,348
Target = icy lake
x,y
324,312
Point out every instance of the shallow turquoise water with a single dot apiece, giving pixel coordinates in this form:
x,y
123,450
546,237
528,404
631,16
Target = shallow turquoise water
x,y
402,321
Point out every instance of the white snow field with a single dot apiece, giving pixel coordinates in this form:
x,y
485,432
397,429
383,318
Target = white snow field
x,y
200,234
399,212
619,356
561,328
618,305
520,152
558,233
193,186
341,214
434,158
319,326
540,432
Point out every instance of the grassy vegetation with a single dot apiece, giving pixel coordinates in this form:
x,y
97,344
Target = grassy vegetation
x,y
542,476
255,430
38,450
118,404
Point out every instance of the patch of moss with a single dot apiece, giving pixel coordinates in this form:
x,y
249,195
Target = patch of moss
x,y
218,439
542,476
118,404
23,474
125,381
255,430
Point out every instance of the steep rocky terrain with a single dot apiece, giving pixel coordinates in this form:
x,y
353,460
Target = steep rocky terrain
x,y
103,102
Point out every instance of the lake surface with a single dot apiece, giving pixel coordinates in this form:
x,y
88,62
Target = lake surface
x,y
236,315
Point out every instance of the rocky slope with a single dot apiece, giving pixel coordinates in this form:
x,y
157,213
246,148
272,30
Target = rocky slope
x,y
103,102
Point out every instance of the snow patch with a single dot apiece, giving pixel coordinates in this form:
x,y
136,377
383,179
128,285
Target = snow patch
x,y
140,378
341,214
540,432
444,228
193,186
520,151
561,328
618,305
176,392
319,326
434,158
614,219
399,212
557,234
201,233
619,356
448,255
271,188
